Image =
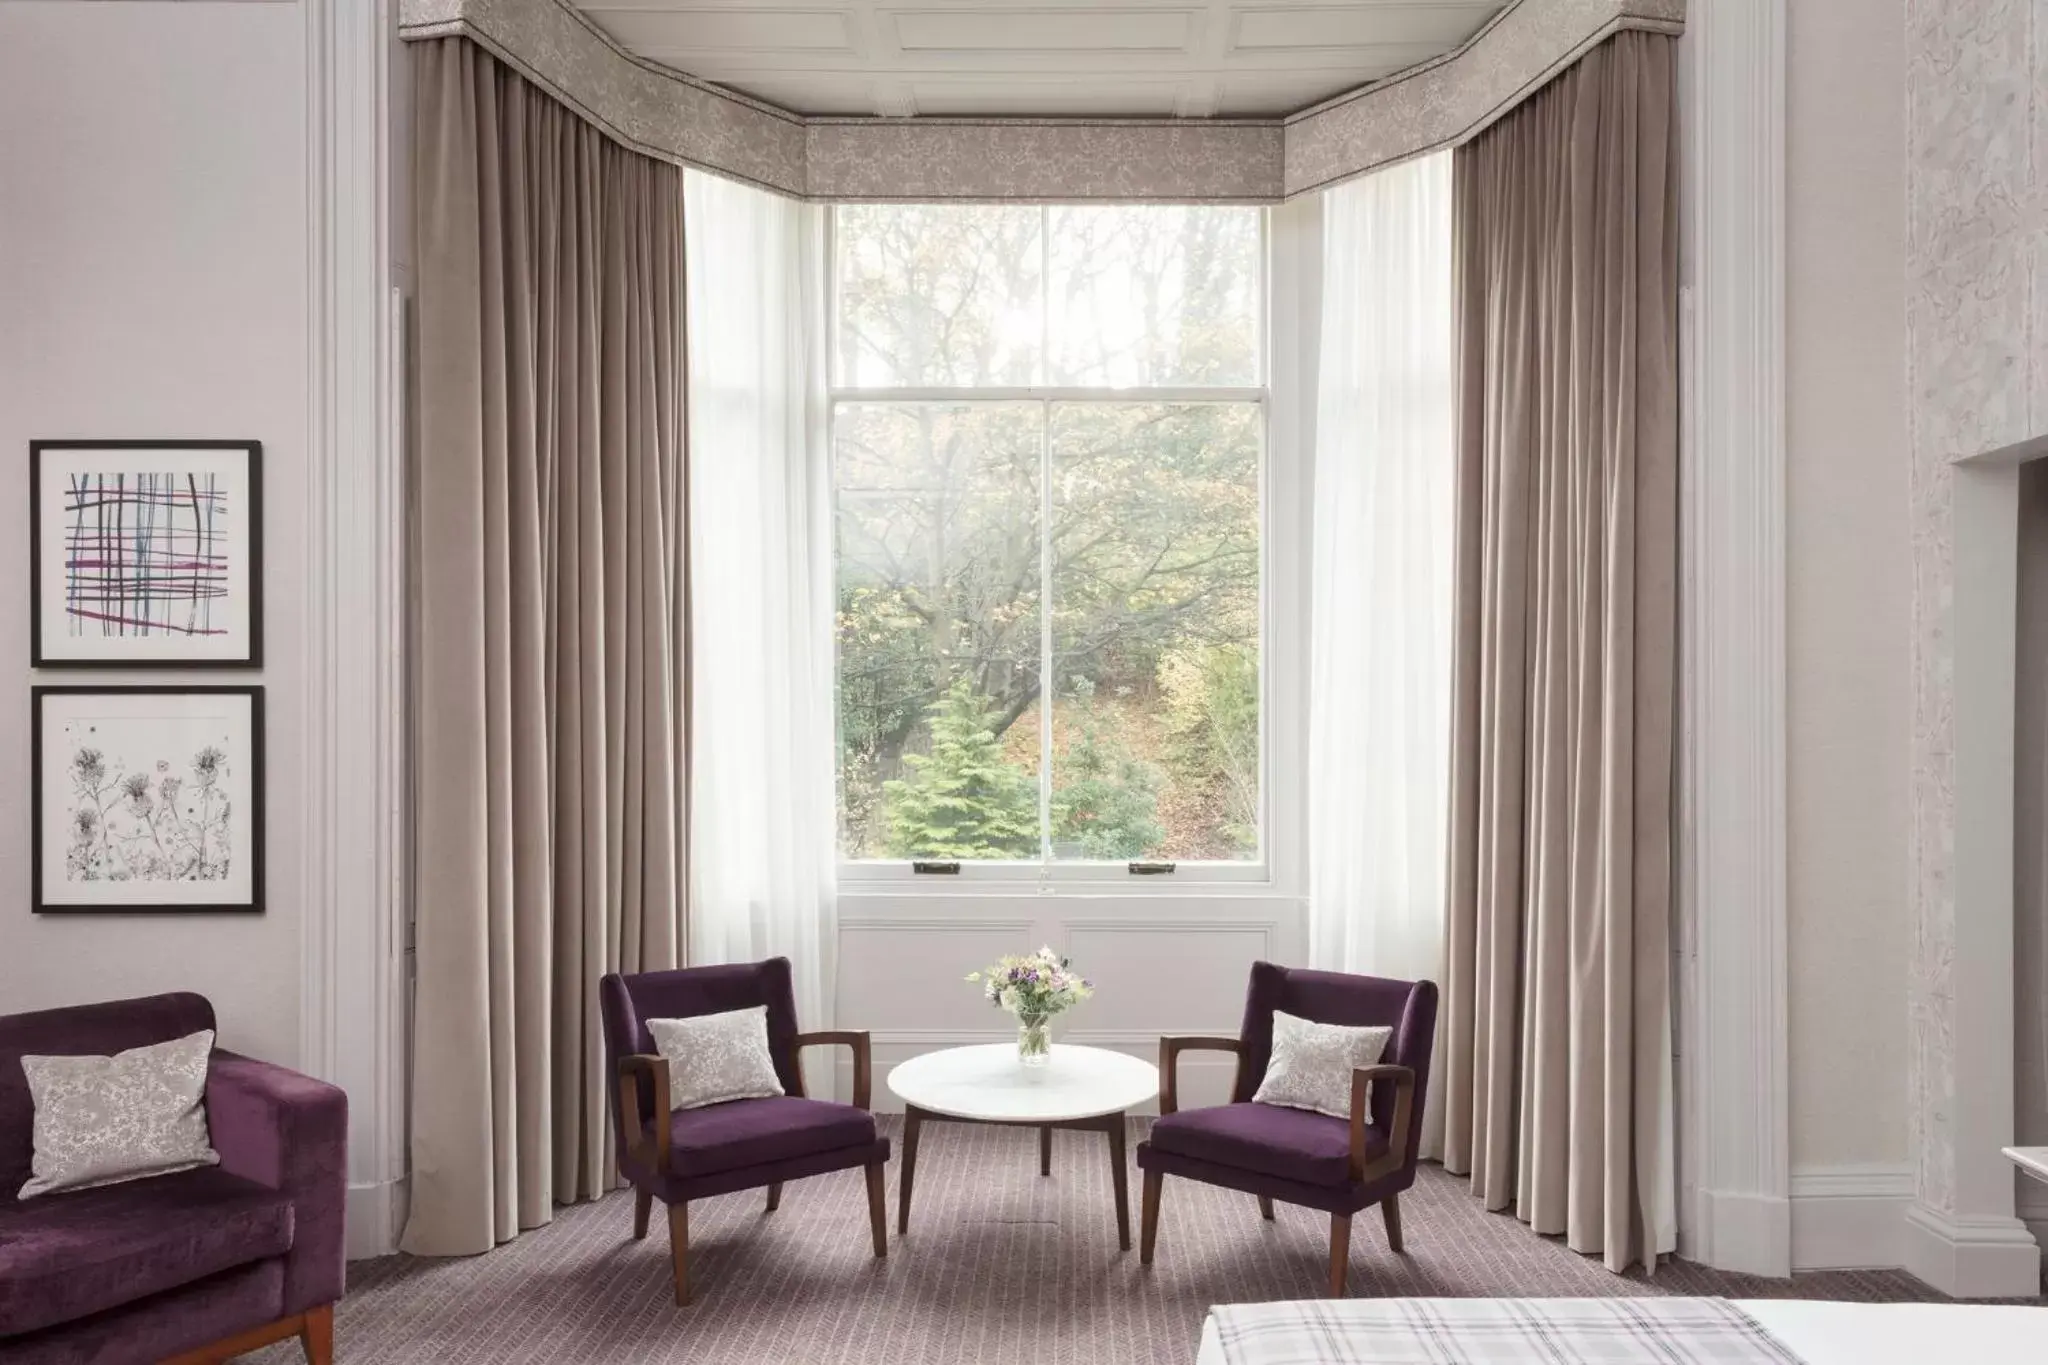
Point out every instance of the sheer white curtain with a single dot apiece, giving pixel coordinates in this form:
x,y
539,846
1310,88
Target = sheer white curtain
x,y
762,861
1379,689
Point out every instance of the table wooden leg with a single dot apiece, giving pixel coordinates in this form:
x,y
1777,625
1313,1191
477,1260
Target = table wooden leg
x,y
912,1117
1120,1178
1045,1151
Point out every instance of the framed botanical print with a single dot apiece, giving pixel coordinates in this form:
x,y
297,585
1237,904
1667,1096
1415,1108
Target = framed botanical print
x,y
144,553
147,799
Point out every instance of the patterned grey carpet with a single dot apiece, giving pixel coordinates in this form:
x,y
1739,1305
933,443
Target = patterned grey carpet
x,y
1000,1265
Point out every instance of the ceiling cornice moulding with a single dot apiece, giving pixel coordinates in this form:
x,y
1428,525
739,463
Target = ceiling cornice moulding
x,y
1444,102
677,117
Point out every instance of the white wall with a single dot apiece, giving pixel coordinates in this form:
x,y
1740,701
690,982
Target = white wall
x,y
1848,589
153,282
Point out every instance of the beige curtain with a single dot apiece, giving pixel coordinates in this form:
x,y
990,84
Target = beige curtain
x,y
548,573
1556,991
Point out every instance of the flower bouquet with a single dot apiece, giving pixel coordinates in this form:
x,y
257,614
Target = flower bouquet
x,y
1033,987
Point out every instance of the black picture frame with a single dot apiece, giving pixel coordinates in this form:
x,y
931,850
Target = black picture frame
x,y
40,658
39,694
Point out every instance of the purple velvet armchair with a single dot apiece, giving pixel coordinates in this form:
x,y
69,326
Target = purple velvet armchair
x,y
1337,1165
676,1156
197,1266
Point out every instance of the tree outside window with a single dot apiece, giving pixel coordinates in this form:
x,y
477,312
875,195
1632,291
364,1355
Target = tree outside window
x,y
1048,444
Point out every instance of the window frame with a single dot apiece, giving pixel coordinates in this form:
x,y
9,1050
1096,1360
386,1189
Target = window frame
x,y
1280,480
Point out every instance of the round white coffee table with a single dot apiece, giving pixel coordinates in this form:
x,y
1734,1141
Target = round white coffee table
x,y
1080,1087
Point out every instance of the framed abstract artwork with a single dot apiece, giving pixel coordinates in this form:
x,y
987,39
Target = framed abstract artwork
x,y
146,799
145,552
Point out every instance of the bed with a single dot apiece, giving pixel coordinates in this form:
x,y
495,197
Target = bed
x,y
1668,1331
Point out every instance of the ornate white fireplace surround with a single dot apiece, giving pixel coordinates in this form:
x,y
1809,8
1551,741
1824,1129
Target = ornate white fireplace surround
x,y
1977,385
1962,1233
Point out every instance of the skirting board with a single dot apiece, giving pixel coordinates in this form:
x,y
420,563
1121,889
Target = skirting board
x,y
1744,1232
1972,1258
1850,1217
375,1216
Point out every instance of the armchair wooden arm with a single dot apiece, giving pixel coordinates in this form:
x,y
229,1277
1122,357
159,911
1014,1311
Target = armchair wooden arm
x,y
863,1059
1169,1064
1403,1080
653,1071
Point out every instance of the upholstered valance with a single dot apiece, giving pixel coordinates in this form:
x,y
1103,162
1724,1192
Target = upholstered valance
x,y
680,118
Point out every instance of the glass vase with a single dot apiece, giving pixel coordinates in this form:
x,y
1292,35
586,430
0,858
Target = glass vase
x,y
1034,1039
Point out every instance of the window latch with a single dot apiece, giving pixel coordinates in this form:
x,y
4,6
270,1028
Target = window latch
x,y
1151,869
933,868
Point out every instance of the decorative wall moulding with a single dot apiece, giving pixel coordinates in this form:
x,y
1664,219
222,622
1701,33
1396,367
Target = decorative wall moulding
x,y
679,118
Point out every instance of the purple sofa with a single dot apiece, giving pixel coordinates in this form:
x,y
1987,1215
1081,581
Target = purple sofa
x,y
684,1154
1339,1166
192,1267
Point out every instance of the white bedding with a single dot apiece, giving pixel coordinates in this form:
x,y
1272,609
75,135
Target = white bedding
x,y
1871,1333
1905,1333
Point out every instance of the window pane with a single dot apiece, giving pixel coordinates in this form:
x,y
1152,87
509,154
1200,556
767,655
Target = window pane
x,y
1158,294
938,295
1155,626
939,629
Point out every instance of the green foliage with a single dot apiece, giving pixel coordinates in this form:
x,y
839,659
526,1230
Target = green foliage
x,y
1107,804
1212,722
964,799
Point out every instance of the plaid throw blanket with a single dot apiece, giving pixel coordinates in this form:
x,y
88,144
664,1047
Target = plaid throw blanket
x,y
1495,1332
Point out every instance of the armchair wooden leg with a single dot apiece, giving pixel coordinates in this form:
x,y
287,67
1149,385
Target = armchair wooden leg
x,y
878,1217
1045,1151
1340,1252
1119,1179
1266,1207
679,1250
1390,1209
775,1196
1148,1217
643,1204
316,1338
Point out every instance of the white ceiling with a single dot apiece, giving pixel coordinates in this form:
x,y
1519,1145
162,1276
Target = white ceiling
x,y
1149,58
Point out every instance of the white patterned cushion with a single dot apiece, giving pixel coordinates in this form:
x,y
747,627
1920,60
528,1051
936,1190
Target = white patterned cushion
x,y
102,1120
716,1057
1312,1063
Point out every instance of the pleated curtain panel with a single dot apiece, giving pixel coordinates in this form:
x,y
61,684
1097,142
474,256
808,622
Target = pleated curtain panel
x,y
550,650
1556,990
